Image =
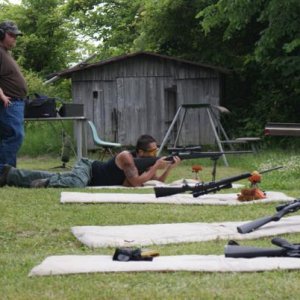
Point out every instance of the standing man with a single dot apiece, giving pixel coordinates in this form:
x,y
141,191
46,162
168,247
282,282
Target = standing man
x,y
13,90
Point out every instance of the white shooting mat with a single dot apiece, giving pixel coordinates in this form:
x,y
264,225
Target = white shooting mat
x,y
209,199
76,264
155,234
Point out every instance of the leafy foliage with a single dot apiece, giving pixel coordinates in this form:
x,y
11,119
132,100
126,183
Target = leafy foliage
x,y
110,23
47,45
259,41
271,67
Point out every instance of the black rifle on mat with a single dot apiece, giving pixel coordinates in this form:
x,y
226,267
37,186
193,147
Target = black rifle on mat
x,y
282,210
144,163
286,249
205,188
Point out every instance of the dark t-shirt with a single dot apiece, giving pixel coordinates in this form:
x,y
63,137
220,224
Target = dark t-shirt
x,y
106,173
12,82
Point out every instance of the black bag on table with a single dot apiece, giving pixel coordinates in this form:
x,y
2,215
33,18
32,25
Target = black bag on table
x,y
40,107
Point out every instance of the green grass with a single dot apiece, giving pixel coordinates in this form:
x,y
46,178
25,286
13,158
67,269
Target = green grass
x,y
33,225
45,137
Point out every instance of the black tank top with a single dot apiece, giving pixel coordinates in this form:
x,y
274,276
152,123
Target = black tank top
x,y
106,173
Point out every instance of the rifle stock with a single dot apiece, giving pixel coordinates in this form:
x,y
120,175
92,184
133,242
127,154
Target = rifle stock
x,y
281,211
237,251
251,226
161,191
286,249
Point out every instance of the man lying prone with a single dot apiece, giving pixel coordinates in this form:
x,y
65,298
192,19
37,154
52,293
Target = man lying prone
x,y
119,170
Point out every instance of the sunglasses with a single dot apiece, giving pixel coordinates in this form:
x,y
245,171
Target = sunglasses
x,y
154,150
12,35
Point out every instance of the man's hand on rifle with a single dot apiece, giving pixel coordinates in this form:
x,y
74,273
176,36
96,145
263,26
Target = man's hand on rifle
x,y
166,166
162,163
175,163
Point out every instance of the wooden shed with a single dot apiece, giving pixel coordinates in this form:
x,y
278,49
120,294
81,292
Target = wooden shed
x,y
139,93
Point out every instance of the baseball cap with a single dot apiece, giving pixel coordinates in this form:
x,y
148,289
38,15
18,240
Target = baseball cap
x,y
9,26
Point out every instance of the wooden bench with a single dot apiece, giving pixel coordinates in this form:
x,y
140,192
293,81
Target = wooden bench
x,y
252,141
282,129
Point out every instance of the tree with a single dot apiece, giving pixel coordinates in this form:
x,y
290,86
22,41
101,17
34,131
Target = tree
x,y
110,23
258,40
48,43
271,65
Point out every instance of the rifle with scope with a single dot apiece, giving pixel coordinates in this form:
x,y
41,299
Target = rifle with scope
x,y
144,163
282,210
286,249
205,188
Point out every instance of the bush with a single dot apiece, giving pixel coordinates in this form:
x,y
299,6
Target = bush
x,y
44,138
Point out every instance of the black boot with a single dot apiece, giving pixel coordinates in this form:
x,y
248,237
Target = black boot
x,y
3,177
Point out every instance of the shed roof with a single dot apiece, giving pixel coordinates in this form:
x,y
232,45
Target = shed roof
x,y
84,66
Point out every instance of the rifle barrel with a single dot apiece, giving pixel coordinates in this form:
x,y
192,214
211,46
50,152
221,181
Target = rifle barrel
x,y
269,170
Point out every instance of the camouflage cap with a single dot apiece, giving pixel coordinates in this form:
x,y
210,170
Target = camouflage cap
x,y
9,26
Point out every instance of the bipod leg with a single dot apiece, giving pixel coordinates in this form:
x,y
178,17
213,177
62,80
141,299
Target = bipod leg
x,y
214,169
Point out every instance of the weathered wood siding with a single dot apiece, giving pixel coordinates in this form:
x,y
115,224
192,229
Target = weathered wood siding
x,y
128,98
196,126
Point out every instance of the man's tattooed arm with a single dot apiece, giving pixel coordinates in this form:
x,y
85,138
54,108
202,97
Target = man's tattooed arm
x,y
125,162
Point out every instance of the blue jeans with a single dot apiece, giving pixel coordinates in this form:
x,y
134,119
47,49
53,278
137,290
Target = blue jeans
x,y
11,132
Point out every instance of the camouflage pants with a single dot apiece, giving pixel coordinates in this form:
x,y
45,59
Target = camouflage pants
x,y
80,176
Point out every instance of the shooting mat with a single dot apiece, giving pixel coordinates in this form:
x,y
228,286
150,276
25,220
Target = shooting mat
x,y
209,199
155,234
75,264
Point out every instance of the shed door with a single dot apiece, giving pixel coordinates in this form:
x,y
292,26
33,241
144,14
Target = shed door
x,y
132,109
170,111
102,110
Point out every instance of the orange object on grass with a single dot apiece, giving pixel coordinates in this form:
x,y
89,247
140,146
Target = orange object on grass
x,y
249,194
255,177
197,168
